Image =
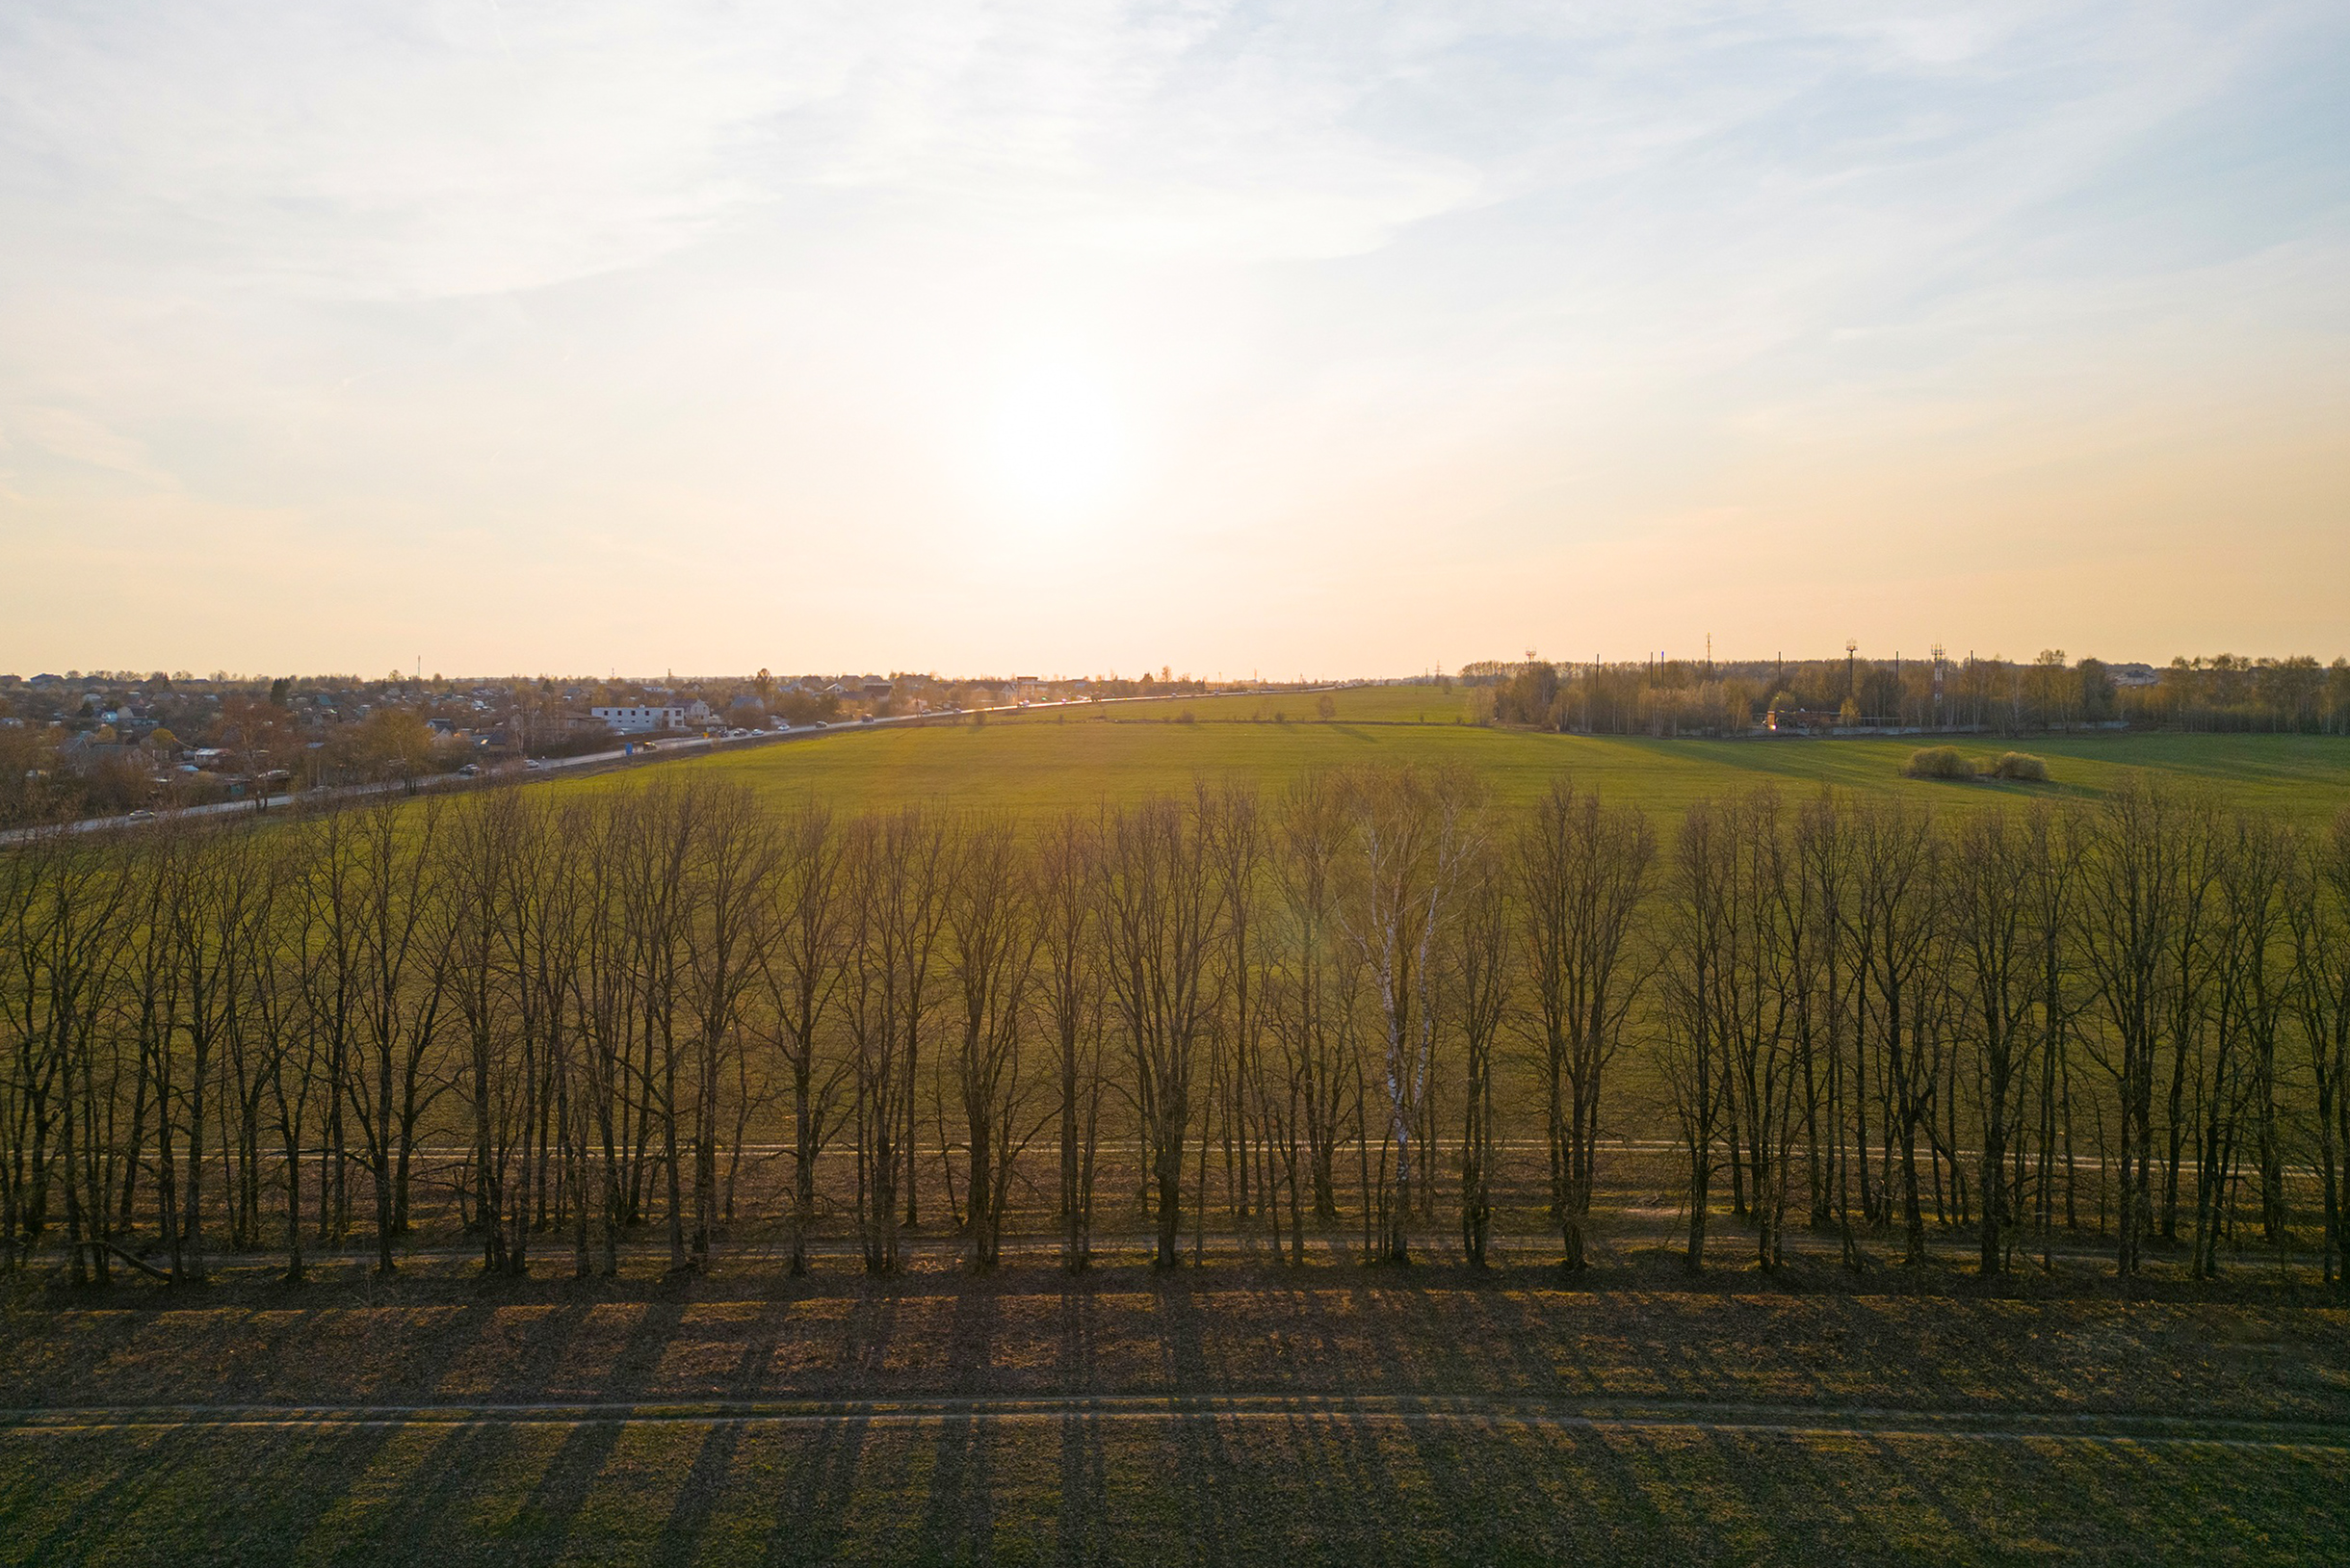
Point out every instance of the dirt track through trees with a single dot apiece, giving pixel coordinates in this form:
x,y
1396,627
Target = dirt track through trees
x,y
1988,1424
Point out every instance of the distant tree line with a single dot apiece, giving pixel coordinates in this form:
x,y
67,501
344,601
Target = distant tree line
x,y
1294,1013
2226,693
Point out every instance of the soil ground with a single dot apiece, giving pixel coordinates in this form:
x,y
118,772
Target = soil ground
x,y
1234,1414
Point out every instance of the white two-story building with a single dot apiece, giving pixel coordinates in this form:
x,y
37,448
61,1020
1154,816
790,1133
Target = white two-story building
x,y
642,721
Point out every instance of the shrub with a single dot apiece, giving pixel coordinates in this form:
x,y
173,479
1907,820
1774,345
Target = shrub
x,y
2021,765
1939,762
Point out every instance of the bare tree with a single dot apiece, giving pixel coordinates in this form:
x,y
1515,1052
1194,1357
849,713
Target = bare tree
x,y
2131,887
2051,893
1583,871
2317,914
1479,977
217,888
1239,854
733,854
1827,1018
64,905
486,837
1163,911
897,892
1311,1009
2200,838
2250,990
1991,915
277,1045
658,904
1893,928
1770,955
333,968
1409,834
1069,995
606,1095
800,976
400,990
1697,975
246,1044
992,953
557,978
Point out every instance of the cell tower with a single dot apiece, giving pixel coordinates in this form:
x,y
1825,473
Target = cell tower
x,y
1851,648
1938,661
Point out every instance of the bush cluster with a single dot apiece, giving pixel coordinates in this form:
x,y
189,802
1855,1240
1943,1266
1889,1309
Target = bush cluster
x,y
1939,762
1946,762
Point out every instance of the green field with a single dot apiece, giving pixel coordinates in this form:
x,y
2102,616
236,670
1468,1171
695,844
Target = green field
x,y
1047,760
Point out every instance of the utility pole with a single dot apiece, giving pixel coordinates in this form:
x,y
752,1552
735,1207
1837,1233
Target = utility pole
x,y
1938,668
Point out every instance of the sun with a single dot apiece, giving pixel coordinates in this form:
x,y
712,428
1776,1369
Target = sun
x,y
1058,445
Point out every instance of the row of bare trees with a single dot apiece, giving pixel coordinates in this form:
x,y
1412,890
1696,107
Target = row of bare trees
x,y
1856,1006
591,1018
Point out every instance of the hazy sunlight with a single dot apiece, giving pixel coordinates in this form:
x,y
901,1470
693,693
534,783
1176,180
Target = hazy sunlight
x,y
1059,448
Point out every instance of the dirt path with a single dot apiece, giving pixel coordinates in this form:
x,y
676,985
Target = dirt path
x,y
1988,1423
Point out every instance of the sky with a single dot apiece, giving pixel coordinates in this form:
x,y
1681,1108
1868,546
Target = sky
x,y
1076,338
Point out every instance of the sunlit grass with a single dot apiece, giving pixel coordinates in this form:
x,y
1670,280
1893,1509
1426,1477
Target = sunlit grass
x,y
1043,762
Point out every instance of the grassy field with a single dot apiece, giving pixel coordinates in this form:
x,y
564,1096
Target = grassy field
x,y
1322,1416
1045,759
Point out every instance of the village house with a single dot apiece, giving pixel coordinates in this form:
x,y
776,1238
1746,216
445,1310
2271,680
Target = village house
x,y
641,720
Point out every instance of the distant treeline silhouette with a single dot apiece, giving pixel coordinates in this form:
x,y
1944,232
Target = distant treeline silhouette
x,y
1692,697
1325,1006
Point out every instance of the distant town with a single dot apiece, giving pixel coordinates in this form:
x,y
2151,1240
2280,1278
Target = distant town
x,y
105,742
95,744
